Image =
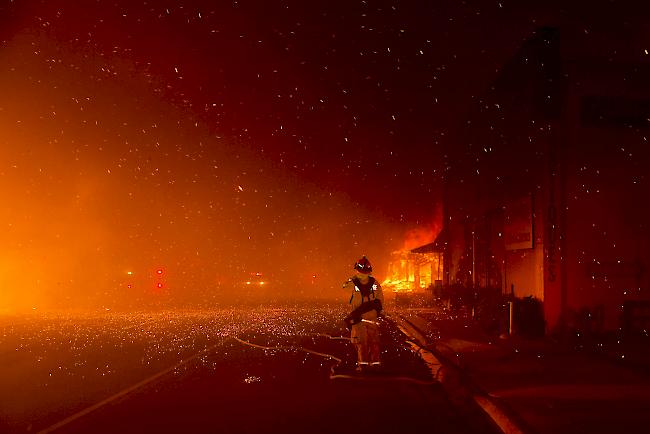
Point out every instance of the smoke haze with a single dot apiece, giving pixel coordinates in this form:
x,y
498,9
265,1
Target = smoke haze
x,y
104,185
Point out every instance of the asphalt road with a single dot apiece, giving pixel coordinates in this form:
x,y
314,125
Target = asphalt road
x,y
284,369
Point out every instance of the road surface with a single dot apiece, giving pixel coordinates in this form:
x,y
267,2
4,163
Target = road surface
x,y
228,370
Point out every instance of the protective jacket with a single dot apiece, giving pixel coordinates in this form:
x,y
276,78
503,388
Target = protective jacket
x,y
366,301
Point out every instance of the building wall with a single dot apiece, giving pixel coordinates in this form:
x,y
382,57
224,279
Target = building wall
x,y
524,268
538,131
607,218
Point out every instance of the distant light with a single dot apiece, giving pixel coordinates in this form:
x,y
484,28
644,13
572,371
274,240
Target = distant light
x,y
129,273
262,283
159,271
248,283
159,285
129,286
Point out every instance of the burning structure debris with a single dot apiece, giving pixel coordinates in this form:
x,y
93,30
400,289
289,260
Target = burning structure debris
x,y
416,270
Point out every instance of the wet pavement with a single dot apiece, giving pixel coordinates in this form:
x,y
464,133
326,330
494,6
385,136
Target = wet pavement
x,y
284,369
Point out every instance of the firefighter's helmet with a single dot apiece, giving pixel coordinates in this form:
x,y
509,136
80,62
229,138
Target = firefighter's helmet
x,y
363,265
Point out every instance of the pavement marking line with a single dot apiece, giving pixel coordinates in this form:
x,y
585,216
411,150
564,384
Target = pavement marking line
x,y
126,391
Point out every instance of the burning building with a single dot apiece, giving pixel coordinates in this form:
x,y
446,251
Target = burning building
x,y
415,270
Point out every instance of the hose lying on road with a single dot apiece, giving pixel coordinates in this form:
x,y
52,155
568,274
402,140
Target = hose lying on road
x,y
290,348
333,374
160,374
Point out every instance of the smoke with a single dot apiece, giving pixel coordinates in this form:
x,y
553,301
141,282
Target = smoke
x,y
424,234
105,183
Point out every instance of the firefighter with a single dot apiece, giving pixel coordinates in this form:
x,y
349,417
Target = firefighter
x,y
367,305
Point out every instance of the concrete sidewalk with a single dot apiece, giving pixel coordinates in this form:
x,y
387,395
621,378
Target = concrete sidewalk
x,y
533,386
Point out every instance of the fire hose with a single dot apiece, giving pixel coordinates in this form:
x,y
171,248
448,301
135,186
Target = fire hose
x,y
333,375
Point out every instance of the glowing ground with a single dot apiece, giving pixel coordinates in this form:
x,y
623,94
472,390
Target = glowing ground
x,y
183,371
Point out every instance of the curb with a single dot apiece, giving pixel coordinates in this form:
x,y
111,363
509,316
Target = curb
x,y
427,356
493,409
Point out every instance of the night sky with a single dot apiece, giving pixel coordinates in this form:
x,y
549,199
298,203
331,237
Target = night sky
x,y
215,139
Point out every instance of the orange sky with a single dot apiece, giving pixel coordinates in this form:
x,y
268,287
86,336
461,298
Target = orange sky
x,y
101,175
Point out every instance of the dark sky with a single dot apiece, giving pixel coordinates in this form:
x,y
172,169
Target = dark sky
x,y
350,95
219,138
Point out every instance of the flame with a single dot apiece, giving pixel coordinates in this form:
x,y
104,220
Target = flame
x,y
402,268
